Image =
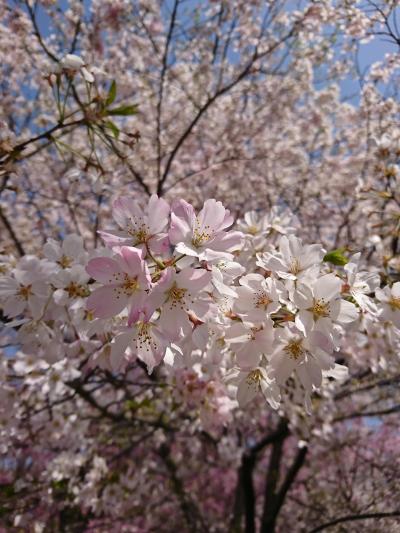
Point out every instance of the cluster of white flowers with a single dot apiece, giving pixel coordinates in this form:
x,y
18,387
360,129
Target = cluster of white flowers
x,y
231,313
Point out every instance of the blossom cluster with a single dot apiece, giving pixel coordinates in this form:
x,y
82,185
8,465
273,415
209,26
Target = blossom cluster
x,y
231,313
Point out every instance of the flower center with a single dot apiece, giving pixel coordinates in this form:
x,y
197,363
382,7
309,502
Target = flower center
x,y
130,285
295,267
254,377
262,299
89,315
394,303
253,230
200,237
320,309
176,294
144,338
75,290
25,291
65,261
253,332
139,231
294,348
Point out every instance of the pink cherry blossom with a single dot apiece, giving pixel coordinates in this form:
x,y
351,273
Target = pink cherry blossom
x,y
258,297
389,298
145,340
125,279
306,356
294,260
203,236
179,295
140,228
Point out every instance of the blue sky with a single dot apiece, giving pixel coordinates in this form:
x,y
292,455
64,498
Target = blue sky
x,y
369,53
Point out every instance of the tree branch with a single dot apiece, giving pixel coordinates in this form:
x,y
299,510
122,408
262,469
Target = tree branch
x,y
353,518
210,100
11,231
190,511
269,514
161,89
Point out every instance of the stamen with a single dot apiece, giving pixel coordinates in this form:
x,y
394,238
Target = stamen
x,y
200,237
129,285
295,267
176,296
262,299
320,309
254,377
294,349
25,291
65,261
394,303
75,290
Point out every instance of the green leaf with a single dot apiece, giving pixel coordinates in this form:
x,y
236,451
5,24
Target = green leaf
x,y
123,110
112,93
113,127
336,257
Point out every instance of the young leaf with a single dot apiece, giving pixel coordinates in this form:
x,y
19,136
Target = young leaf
x,y
336,257
112,93
123,110
113,127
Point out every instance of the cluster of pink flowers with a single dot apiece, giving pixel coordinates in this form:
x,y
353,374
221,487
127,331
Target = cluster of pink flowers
x,y
231,314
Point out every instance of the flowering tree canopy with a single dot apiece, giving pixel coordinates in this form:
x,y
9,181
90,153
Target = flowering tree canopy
x,y
199,269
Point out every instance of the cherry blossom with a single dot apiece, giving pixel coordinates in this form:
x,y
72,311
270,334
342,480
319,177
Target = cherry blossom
x,y
25,289
250,343
307,356
258,297
203,236
389,308
141,229
196,371
320,305
361,284
70,252
72,63
251,382
295,260
179,295
145,341
125,278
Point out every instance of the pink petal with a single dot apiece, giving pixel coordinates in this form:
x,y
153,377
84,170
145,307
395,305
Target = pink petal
x,y
104,269
193,279
124,209
131,260
158,213
107,302
179,229
212,215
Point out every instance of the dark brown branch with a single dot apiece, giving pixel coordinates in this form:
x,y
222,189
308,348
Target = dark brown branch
x,y
134,172
381,412
241,76
76,35
289,479
190,511
270,494
37,32
246,484
97,220
161,89
245,497
45,135
353,518
11,231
